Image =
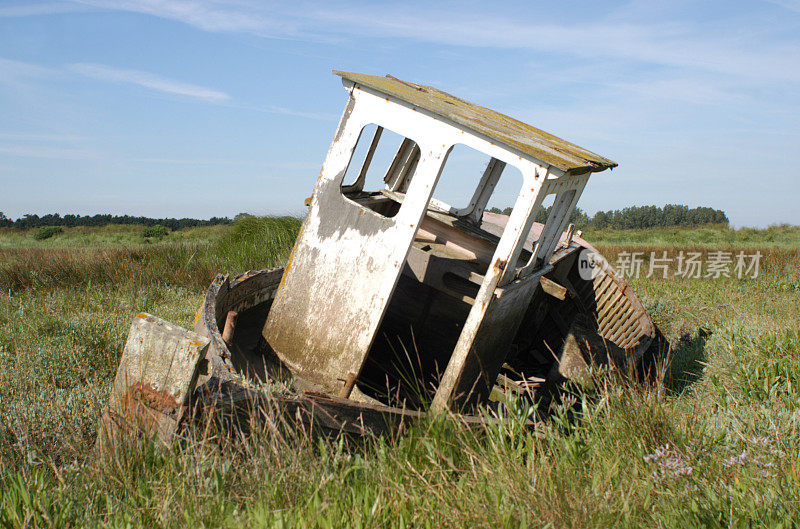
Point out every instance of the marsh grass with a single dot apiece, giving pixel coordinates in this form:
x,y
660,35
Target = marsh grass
x,y
257,242
711,440
252,243
112,235
38,268
713,235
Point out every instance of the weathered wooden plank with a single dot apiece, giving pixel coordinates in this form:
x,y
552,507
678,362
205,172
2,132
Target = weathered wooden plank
x,y
483,344
553,288
632,316
154,381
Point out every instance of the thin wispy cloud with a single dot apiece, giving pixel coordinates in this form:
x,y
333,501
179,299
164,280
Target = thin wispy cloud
x,y
147,80
304,165
207,15
170,86
46,145
655,43
683,89
43,151
28,137
661,44
793,5
28,9
11,70
274,109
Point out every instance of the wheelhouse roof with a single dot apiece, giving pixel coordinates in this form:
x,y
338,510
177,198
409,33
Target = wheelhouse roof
x,y
498,127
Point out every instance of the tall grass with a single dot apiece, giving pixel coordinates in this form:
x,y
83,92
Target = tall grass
x,y
781,236
109,236
713,442
180,264
257,242
633,458
252,243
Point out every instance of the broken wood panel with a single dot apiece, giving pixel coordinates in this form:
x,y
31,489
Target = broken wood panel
x,y
552,288
567,203
483,345
635,335
224,295
619,335
154,381
445,274
471,247
608,317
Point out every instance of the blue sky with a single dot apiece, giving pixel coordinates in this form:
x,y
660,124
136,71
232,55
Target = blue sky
x,y
208,108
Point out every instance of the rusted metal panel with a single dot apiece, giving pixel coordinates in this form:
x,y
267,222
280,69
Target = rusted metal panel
x,y
545,148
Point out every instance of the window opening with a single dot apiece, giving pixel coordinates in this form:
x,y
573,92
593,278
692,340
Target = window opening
x,y
467,176
367,180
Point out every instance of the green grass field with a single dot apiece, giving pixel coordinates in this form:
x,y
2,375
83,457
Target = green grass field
x,y
714,442
716,236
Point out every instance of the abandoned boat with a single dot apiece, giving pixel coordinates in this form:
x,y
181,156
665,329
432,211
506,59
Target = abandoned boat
x,y
395,303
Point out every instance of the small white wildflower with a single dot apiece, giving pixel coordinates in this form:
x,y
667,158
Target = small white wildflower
x,y
671,464
762,455
741,459
689,489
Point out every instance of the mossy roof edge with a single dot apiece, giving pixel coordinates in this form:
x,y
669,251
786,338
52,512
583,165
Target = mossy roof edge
x,y
503,129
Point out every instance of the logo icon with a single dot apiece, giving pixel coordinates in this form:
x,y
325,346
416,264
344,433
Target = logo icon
x,y
591,264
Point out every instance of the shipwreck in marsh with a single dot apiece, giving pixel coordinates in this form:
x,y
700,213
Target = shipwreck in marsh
x,y
394,302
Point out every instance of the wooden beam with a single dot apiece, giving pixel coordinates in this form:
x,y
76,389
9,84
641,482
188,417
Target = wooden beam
x,y
553,288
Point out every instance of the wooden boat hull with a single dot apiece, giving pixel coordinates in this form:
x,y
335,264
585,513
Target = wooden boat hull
x,y
238,369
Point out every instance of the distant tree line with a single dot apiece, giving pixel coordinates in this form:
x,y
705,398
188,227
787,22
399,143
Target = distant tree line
x,y
638,217
619,219
54,219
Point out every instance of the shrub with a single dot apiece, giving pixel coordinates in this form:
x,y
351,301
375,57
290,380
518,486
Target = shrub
x,y
45,232
257,242
155,232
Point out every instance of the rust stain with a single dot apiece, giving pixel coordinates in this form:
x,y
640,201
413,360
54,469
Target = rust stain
x,y
159,400
142,315
288,264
